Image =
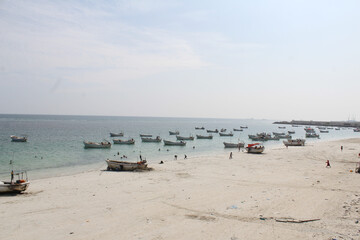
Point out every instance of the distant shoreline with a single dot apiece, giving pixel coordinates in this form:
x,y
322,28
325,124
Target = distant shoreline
x,y
352,124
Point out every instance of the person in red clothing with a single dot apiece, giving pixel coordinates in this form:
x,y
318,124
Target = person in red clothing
x,y
328,164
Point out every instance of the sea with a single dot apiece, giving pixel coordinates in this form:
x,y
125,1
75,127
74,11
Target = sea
x,y
55,142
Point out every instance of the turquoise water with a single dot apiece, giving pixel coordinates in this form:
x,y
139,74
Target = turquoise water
x,y
55,143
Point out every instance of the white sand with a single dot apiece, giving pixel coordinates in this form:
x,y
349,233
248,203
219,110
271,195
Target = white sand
x,y
199,198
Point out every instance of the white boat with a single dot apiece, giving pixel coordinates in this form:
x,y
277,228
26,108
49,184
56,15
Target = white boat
x,y
233,145
199,128
116,134
312,135
104,144
171,143
18,139
145,135
237,130
223,130
255,148
174,133
146,139
204,137
226,134
212,131
126,166
128,142
309,130
356,129
294,142
184,138
15,186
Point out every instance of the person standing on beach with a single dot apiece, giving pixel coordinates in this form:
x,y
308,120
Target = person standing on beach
x,y
175,157
328,164
230,155
185,157
341,148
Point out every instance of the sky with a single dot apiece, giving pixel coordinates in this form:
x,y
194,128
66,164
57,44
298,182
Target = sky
x,y
274,59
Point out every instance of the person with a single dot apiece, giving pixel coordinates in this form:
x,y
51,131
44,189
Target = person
x,y
175,157
140,157
161,162
341,148
194,148
239,147
328,164
185,157
230,155
12,176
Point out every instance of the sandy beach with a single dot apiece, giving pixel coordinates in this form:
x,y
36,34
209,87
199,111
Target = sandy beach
x,y
211,197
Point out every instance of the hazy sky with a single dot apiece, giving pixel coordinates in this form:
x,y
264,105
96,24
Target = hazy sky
x,y
228,59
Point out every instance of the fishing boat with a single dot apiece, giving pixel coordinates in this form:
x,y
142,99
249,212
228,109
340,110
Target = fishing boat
x,y
171,143
337,128
278,133
104,144
226,134
288,136
309,130
223,130
128,142
126,166
294,142
255,148
145,135
116,134
237,129
18,139
356,129
312,135
199,128
324,131
15,186
204,137
212,131
244,127
291,132
174,132
233,145
281,127
184,138
146,139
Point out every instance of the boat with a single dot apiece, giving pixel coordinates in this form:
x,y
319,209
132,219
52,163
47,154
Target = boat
x,y
237,130
255,148
291,132
18,139
104,144
116,134
199,128
184,138
212,131
226,134
356,129
145,135
337,128
295,125
330,128
146,139
294,142
281,127
223,130
171,143
288,136
174,133
128,142
309,130
324,131
15,186
126,166
244,127
312,135
278,134
204,137
233,145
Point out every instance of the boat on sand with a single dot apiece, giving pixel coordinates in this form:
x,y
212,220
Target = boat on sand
x,y
15,186
126,166
294,142
255,148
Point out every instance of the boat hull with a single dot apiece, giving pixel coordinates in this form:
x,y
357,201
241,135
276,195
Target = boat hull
x,y
184,138
170,143
124,142
96,145
125,166
116,134
18,139
204,137
6,187
145,139
233,145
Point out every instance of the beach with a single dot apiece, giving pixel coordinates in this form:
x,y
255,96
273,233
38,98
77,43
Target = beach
x,y
251,196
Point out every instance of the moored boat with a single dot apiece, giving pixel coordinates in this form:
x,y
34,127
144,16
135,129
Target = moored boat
x,y
212,131
171,143
145,135
121,134
255,148
324,131
226,134
223,130
233,145
244,127
204,137
15,186
288,136
184,138
18,139
294,142
356,129
280,127
146,139
312,135
199,128
128,142
174,132
237,130
104,144
291,132
126,166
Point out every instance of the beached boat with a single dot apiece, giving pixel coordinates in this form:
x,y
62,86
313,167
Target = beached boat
x,y
255,148
356,129
128,142
212,131
204,137
174,132
145,135
104,144
18,139
184,138
233,145
237,130
294,142
171,143
15,186
199,128
126,166
226,134
116,134
146,139
312,135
